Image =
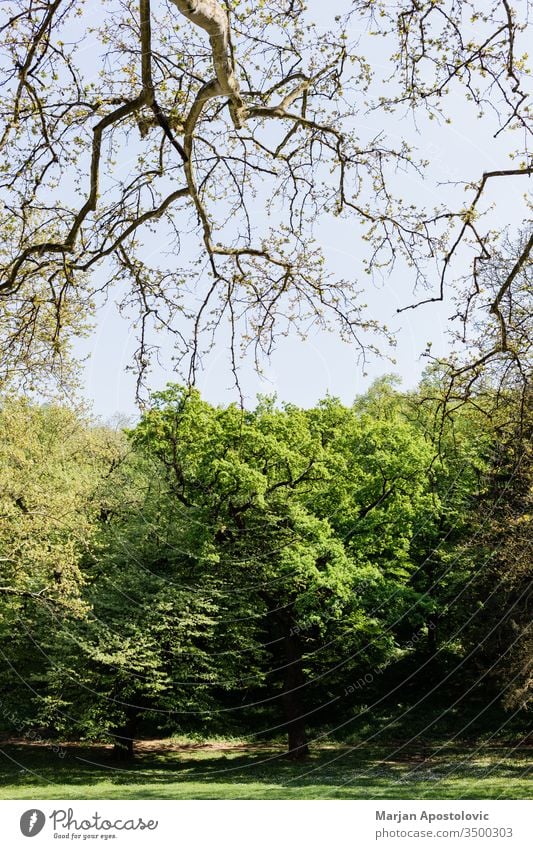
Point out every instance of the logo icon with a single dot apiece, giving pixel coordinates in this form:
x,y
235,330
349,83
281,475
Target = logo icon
x,y
32,822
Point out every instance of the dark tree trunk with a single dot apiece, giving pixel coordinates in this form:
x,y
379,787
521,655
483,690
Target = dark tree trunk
x,y
293,690
432,624
124,737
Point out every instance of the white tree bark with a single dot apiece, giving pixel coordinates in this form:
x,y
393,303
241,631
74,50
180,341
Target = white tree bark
x,y
213,18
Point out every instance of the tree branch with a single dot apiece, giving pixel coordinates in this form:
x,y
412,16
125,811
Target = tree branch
x,y
211,17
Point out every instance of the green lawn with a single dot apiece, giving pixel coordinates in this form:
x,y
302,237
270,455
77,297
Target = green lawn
x,y
167,770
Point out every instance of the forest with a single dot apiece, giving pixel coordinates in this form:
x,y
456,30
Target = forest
x,y
275,572
217,584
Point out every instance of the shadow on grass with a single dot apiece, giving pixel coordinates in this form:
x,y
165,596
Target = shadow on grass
x,y
201,772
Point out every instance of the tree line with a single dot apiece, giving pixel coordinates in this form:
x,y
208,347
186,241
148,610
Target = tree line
x,y
266,571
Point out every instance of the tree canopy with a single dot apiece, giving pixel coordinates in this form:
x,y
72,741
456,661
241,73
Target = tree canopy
x,y
183,154
229,570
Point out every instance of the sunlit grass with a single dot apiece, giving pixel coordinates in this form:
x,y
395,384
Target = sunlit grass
x,y
172,770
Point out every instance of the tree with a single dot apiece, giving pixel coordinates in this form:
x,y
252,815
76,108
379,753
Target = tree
x,y
199,113
311,514
51,464
502,542
244,570
492,359
225,552
160,643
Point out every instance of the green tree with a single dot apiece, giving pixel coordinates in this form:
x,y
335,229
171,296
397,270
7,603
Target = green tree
x,y
51,462
311,508
161,643
501,638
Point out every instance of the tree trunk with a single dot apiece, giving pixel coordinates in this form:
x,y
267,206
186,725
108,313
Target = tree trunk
x,y
432,634
293,690
124,737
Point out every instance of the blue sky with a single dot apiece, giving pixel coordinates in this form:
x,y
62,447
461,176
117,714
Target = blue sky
x,y
302,371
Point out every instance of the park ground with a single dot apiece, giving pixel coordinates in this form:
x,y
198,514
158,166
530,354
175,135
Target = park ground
x,y
225,769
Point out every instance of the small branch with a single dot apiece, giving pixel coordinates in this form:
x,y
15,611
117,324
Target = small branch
x,y
495,306
27,594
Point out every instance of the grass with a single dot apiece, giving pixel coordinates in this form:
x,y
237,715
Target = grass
x,y
176,770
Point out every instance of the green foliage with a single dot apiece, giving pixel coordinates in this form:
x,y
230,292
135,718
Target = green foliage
x,y
51,462
216,565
